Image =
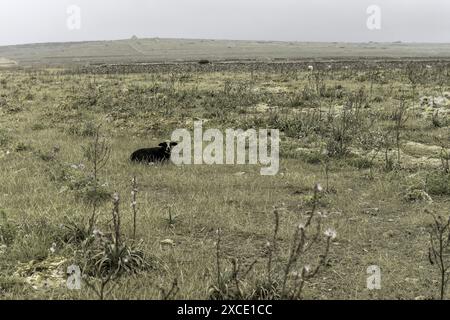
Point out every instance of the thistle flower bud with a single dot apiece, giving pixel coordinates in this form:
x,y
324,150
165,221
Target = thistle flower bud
x,y
307,268
318,187
330,233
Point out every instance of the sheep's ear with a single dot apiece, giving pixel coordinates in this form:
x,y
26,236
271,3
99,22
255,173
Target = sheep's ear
x,y
163,144
173,144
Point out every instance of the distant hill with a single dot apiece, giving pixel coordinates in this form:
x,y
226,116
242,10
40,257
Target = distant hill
x,y
138,50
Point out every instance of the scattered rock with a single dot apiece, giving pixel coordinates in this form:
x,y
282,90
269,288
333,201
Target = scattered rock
x,y
63,189
44,275
413,280
429,105
167,243
3,249
263,108
371,211
435,102
418,195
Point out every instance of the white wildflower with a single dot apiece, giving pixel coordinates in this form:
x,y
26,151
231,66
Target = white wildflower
x,y
3,249
53,248
307,268
97,233
330,233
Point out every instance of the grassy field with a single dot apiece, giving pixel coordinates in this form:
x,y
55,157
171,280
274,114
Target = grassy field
x,y
374,134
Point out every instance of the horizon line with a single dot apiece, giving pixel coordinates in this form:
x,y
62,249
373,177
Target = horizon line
x,y
225,39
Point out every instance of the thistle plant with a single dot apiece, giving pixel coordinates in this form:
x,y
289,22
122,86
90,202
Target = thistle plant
x,y
228,284
273,245
444,154
97,154
305,236
400,118
439,250
134,192
281,279
107,257
171,293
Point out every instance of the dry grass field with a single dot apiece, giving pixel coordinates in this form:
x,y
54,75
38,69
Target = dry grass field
x,y
373,133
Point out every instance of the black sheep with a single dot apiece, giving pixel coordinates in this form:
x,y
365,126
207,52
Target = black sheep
x,y
158,154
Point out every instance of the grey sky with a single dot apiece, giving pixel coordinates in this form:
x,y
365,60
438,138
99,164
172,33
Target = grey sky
x,y
30,21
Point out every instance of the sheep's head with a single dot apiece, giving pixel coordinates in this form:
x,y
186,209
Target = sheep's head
x,y
167,146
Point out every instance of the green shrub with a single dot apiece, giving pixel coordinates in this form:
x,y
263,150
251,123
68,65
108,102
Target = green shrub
x,y
361,163
22,146
314,157
87,129
8,230
4,138
38,127
438,184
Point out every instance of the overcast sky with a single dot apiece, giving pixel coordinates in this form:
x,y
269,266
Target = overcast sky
x,y
31,21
